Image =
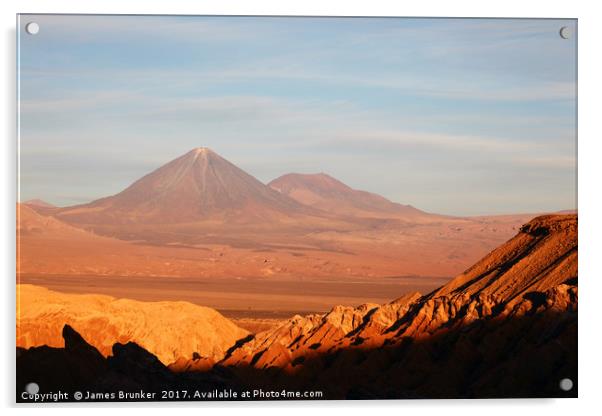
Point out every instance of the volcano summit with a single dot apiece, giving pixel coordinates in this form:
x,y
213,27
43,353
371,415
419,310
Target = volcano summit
x,y
199,185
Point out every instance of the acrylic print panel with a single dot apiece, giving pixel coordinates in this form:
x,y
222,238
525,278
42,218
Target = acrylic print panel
x,y
262,208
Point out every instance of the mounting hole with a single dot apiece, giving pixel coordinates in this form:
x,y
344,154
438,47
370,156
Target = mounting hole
x,y
565,32
32,388
32,28
566,384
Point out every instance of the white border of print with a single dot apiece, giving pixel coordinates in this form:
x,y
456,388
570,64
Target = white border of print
x,y
589,194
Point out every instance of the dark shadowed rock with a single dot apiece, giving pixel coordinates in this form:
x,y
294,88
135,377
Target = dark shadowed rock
x,y
131,358
77,346
78,365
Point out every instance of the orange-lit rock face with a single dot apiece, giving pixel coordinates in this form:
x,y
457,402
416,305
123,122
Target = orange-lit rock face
x,y
535,272
170,330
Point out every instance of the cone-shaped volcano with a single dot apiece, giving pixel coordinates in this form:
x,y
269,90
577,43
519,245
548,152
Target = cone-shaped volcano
x,y
198,185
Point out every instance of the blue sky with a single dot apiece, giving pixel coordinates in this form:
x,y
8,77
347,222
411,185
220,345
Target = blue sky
x,y
453,116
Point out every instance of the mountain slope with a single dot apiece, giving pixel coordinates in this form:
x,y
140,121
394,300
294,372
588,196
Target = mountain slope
x,y
541,256
327,193
198,185
514,311
31,223
169,329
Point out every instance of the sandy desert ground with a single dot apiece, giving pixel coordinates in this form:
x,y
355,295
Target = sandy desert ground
x,y
326,268
242,298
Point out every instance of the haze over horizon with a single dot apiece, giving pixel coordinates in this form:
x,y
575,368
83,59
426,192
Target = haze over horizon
x,y
451,116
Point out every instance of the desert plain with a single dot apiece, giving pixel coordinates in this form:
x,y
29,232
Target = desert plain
x,y
199,229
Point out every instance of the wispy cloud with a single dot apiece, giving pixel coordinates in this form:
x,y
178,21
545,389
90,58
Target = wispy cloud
x,y
480,104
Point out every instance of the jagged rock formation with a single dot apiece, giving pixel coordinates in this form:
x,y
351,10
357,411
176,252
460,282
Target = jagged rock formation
x,y
507,327
171,330
474,336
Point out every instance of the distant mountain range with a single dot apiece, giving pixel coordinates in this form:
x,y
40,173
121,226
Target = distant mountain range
x,y
201,185
310,224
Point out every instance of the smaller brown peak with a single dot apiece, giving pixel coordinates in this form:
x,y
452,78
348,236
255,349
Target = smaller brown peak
x,y
327,179
324,177
546,224
321,180
319,175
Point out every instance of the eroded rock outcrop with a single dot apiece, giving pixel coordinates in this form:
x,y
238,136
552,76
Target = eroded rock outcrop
x,y
171,330
517,301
